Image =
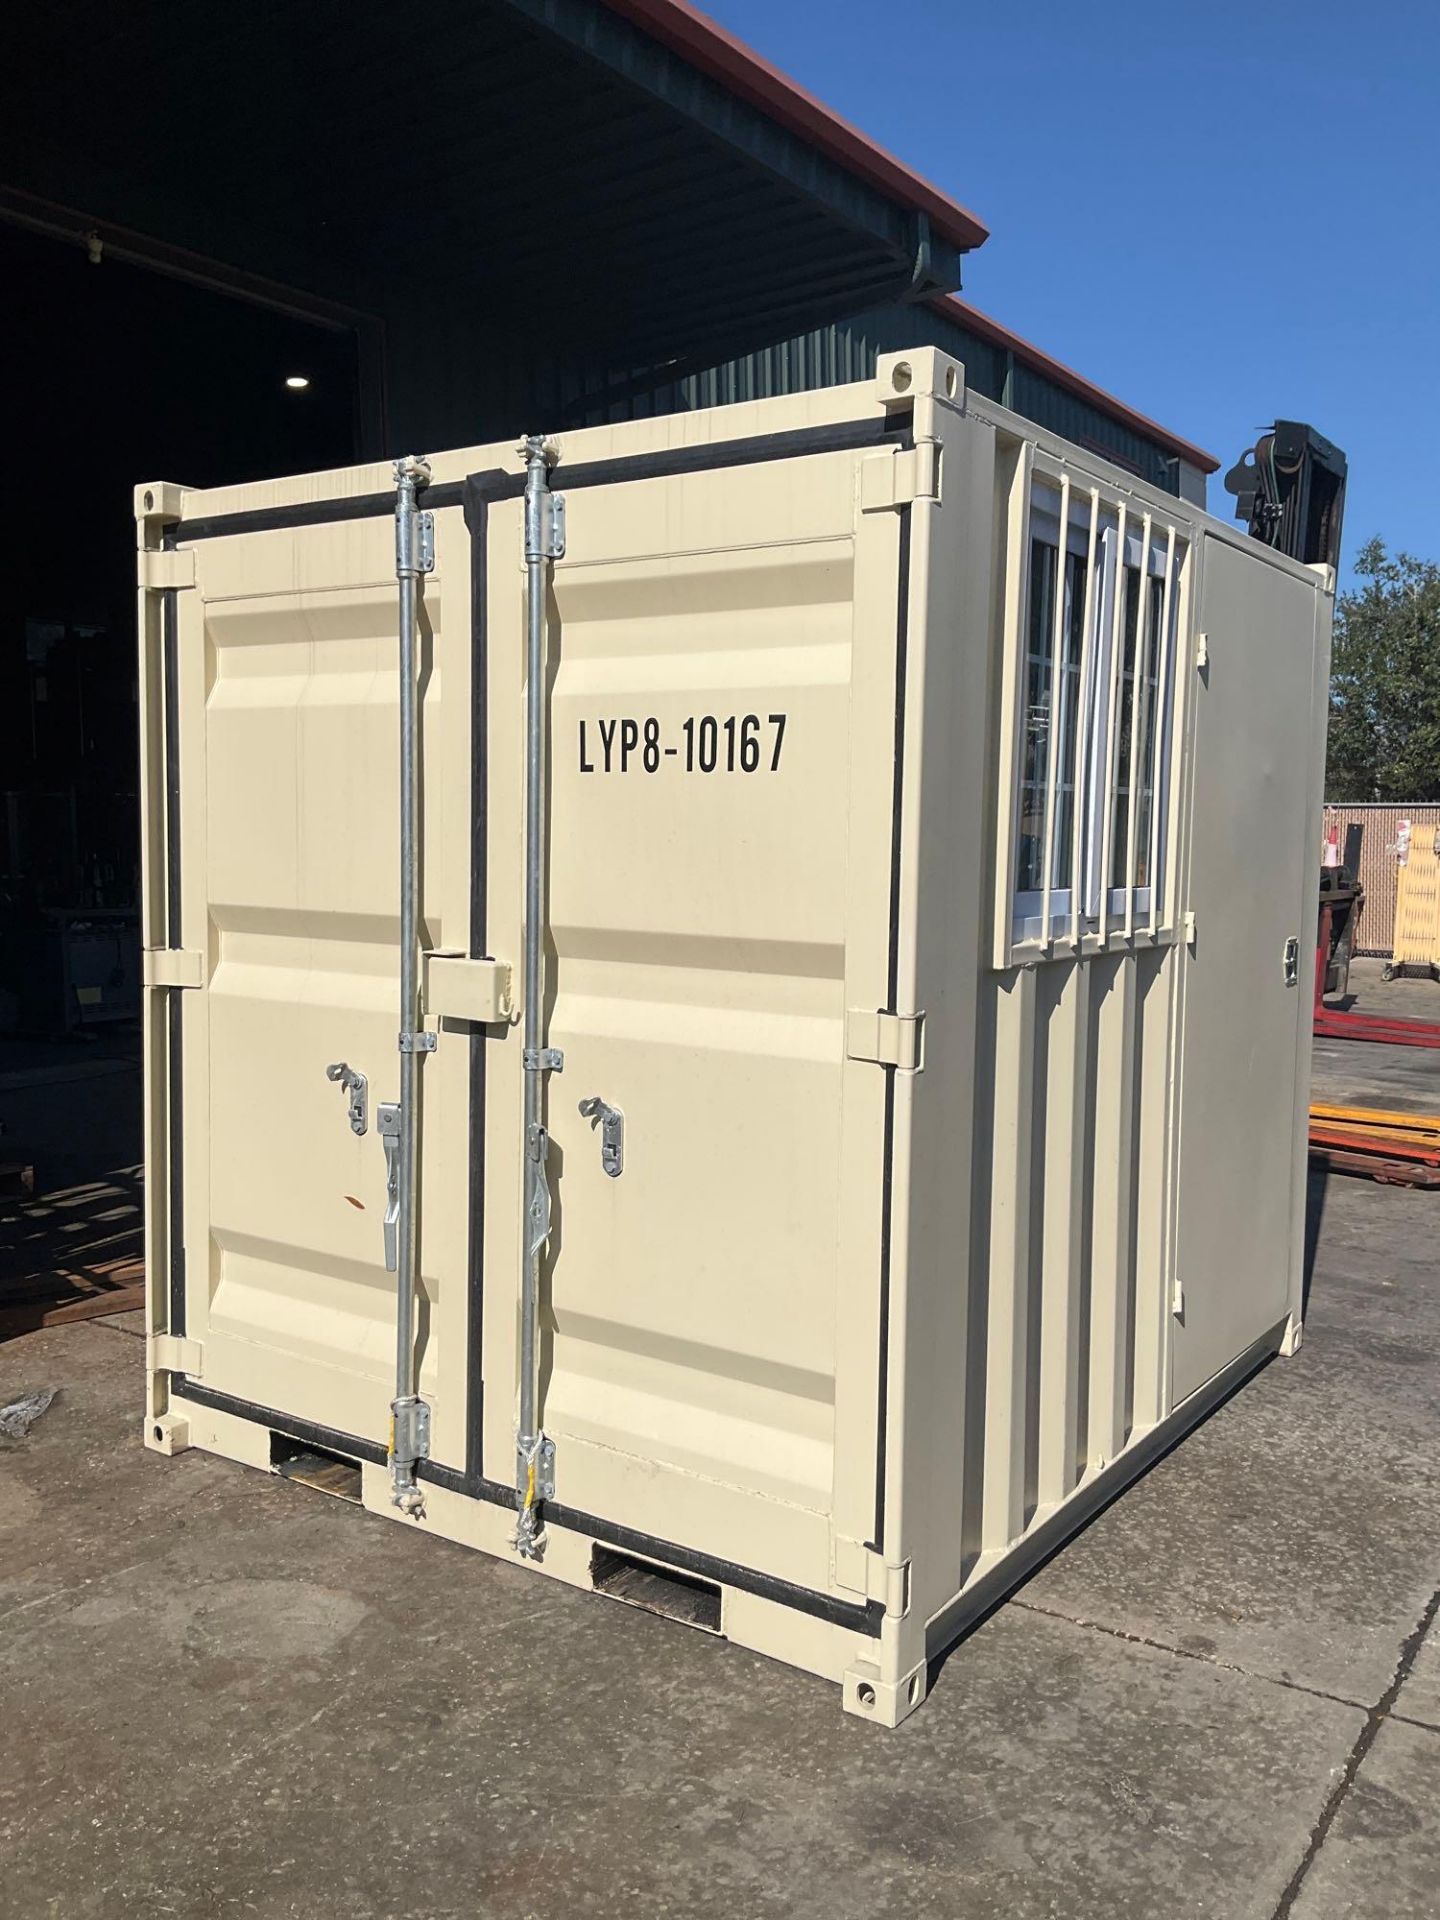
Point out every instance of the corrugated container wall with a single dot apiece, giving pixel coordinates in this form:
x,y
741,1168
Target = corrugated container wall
x,y
920,1019
1379,860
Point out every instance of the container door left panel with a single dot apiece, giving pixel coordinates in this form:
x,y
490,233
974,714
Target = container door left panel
x,y
286,713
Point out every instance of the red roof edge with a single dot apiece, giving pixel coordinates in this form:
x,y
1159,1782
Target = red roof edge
x,y
1063,376
707,45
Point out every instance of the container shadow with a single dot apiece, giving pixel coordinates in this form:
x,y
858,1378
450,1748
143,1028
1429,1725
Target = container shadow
x,y
1317,1191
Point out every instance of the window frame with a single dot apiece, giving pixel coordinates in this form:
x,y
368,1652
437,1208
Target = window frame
x,y
1116,533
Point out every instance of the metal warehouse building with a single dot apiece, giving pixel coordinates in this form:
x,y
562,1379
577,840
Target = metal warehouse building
x,y
709,228
273,238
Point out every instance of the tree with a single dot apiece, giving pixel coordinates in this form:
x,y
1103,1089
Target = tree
x,y
1385,682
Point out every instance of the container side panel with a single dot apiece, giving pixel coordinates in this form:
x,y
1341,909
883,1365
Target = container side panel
x,y
935,1346
1155,1108
1065,1251
1113,1205
1073,1087
1061,1362
1013,1263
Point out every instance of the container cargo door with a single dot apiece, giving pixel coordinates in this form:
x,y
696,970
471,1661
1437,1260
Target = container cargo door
x,y
287,741
1253,864
723,648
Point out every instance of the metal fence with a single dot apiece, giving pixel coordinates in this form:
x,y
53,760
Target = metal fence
x,y
1380,843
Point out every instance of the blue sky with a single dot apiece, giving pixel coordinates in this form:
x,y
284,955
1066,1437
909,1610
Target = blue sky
x,y
1224,213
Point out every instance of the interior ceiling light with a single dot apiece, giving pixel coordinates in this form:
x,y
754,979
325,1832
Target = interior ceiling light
x,y
297,382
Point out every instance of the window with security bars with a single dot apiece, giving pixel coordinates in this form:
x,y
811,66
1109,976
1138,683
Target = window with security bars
x,y
1097,688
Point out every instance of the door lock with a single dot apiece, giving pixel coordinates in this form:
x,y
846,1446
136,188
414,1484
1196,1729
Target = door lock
x,y
611,1122
357,1087
1292,961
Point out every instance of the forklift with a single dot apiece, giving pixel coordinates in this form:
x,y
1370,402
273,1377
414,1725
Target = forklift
x,y
1290,492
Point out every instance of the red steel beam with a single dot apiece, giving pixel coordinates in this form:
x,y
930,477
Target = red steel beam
x,y
1389,1173
1332,1025
1357,1140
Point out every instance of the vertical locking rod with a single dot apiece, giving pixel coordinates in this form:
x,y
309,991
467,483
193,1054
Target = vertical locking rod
x,y
409,1416
533,1453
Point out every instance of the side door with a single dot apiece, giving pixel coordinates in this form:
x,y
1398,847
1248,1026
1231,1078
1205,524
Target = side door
x,y
723,648
1245,1026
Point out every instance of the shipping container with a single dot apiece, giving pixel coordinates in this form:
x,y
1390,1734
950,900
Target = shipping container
x,y
841,869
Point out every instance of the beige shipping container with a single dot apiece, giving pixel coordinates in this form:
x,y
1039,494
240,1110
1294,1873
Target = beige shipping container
x,y
1387,830
926,889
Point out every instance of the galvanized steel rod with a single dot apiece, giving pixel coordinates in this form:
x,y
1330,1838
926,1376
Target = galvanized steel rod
x,y
407,1422
530,1446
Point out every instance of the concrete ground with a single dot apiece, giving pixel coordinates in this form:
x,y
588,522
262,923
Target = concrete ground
x,y
227,1694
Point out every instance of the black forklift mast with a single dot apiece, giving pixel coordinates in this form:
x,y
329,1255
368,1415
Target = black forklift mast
x,y
1290,490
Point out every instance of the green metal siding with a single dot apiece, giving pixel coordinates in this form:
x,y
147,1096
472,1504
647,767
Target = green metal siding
x,y
847,350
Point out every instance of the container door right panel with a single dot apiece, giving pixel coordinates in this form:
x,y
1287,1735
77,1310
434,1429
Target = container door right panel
x,y
1253,883
723,773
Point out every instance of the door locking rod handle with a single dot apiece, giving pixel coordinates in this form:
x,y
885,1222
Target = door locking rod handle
x,y
611,1122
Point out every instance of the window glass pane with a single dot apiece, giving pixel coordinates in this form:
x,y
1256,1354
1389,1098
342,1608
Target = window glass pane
x,y
1072,643
1153,731
1124,730
1035,747
1063,743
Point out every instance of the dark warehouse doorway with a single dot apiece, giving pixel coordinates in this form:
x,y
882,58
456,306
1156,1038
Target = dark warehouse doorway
x,y
111,375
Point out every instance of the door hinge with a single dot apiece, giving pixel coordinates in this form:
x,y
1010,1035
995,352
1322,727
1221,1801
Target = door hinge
x,y
554,518
858,1568
171,1353
162,567
1187,925
173,967
458,988
890,1039
898,478
1177,1298
1202,652
415,540
544,527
